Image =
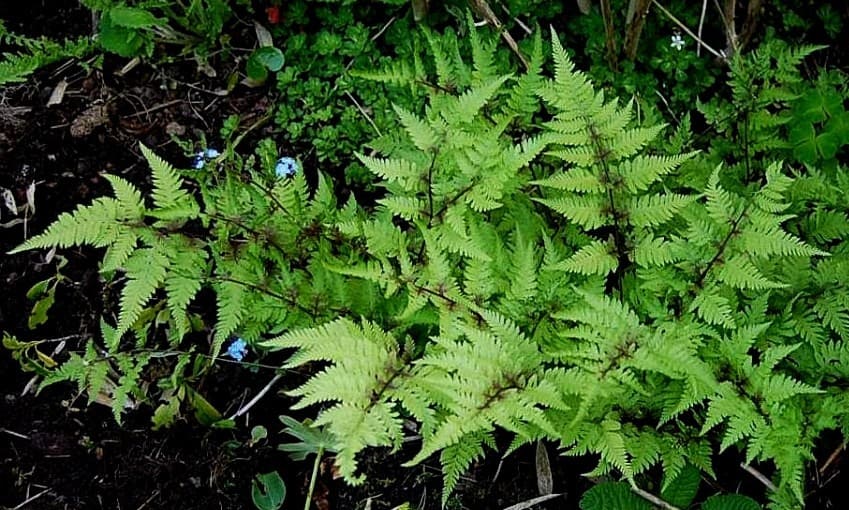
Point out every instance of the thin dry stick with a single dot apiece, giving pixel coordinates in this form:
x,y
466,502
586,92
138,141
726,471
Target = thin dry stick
x,y
519,22
13,433
731,25
688,31
247,407
30,500
701,25
656,501
759,476
831,458
155,108
363,113
482,8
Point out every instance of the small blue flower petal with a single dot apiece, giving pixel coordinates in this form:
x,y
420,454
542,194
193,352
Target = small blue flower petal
x,y
238,349
286,167
211,153
198,161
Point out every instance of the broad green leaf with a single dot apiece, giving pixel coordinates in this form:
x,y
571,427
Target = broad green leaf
x,y
613,496
682,489
133,17
730,502
268,491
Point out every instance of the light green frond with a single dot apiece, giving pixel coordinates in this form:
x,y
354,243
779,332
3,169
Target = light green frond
x,y
456,459
713,308
582,180
95,225
409,208
642,171
229,299
129,198
653,210
146,270
420,132
392,170
595,258
470,103
627,143
123,245
586,211
653,252
740,273
170,199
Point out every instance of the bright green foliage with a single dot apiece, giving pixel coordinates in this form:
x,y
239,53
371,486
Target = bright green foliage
x,y
637,327
31,54
534,264
256,247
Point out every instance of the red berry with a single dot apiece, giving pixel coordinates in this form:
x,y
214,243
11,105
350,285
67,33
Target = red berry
x,y
273,13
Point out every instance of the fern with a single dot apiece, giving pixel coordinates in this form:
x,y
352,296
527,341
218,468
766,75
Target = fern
x,y
533,263
32,54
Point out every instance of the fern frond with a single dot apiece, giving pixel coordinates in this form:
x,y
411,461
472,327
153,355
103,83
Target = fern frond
x,y
95,225
146,271
170,200
594,258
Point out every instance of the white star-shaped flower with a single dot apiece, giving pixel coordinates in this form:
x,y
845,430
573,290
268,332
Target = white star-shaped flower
x,y
677,42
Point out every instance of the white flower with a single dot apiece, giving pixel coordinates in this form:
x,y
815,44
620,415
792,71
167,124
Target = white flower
x,y
677,42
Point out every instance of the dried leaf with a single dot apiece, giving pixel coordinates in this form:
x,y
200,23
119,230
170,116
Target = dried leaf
x,y
545,482
58,93
9,200
31,198
263,36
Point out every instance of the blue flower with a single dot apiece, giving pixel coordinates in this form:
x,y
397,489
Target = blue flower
x,y
237,350
198,161
286,167
201,157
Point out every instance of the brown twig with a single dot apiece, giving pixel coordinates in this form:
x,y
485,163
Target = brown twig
x,y
635,22
688,31
759,476
609,34
482,8
656,501
753,14
831,458
729,15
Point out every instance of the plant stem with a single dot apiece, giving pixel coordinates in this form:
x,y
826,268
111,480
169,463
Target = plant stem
x,y
313,477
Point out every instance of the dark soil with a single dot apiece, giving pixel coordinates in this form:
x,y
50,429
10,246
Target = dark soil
x,y
56,452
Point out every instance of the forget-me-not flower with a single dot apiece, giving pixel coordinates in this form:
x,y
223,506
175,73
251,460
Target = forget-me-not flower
x,y
286,167
677,42
237,350
203,156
